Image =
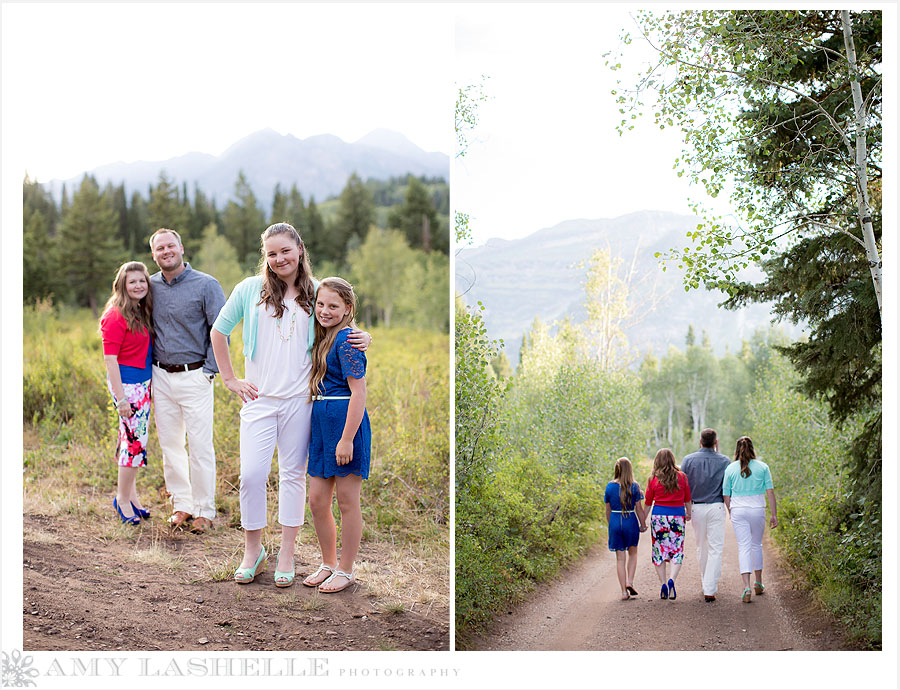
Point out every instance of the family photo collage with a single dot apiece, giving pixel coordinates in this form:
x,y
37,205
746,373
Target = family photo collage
x,y
451,345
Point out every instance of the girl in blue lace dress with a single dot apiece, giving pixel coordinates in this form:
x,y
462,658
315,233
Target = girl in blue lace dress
x,y
626,519
341,439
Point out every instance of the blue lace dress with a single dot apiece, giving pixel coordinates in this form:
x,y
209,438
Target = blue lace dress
x,y
329,416
624,530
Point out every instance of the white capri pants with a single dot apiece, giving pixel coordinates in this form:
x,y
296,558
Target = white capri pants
x,y
749,525
266,423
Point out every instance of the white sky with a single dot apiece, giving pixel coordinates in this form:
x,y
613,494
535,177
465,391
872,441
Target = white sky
x,y
86,85
546,148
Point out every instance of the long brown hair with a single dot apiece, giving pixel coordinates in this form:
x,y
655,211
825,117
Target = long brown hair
x,y
624,475
273,287
665,470
325,337
744,452
137,313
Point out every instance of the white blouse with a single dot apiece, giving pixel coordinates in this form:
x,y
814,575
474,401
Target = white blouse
x,y
281,365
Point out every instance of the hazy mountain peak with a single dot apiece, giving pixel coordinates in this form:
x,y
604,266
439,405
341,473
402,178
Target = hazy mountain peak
x,y
319,165
328,139
511,278
389,140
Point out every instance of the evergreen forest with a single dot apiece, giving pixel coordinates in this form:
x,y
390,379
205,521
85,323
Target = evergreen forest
x,y
388,237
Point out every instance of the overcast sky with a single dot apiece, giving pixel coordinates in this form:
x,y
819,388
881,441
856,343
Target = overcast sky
x,y
148,82
546,149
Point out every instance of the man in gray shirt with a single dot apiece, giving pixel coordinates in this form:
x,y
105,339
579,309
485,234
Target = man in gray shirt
x,y
705,470
185,304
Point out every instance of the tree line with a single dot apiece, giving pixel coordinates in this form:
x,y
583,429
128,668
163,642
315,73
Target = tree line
x,y
390,237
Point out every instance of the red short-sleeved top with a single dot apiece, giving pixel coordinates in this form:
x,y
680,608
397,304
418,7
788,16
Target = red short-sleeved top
x,y
130,348
656,492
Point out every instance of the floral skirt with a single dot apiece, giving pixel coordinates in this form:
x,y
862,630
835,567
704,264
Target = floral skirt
x,y
134,430
667,532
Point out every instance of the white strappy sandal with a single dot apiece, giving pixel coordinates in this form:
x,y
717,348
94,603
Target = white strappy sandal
x,y
322,567
337,573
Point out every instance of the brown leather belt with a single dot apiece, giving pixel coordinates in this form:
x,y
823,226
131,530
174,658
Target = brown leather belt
x,y
173,368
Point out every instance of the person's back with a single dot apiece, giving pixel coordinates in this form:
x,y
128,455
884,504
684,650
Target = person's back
x,y
705,470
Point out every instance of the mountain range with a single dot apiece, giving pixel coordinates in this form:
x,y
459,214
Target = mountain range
x,y
539,276
319,165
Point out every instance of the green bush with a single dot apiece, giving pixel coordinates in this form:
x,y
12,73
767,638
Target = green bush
x,y
828,530
62,367
533,457
526,522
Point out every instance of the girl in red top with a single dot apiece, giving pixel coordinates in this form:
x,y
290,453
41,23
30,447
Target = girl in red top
x,y
127,329
668,489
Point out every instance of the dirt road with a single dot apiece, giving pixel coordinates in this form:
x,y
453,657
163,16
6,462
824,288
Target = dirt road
x,y
581,610
98,587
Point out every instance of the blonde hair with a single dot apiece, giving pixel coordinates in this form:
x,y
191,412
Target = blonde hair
x,y
325,337
137,313
624,475
273,287
665,470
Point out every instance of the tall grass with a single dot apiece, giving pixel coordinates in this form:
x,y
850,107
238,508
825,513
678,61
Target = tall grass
x,y
70,429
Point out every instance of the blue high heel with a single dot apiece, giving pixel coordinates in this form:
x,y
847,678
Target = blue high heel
x,y
671,589
664,592
141,512
128,520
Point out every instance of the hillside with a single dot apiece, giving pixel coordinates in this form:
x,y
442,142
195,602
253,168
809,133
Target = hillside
x,y
537,276
319,165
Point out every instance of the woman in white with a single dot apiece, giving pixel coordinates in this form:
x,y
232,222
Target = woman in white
x,y
746,486
276,307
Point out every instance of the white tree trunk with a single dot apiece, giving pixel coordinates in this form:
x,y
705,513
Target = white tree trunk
x,y
862,179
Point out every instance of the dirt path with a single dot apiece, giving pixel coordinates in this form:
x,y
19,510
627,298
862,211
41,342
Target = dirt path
x,y
99,588
581,610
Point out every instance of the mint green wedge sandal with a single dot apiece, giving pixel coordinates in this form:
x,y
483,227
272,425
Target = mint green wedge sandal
x,y
285,579
245,576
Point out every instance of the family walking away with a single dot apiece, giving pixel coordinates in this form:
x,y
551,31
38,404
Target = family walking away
x,y
303,392
700,492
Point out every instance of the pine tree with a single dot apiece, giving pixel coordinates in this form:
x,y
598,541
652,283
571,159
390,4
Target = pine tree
x,y
117,200
314,236
165,209
243,223
355,214
39,250
64,202
417,218
137,227
279,207
92,249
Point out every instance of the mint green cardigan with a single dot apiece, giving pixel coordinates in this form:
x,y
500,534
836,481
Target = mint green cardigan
x,y
242,304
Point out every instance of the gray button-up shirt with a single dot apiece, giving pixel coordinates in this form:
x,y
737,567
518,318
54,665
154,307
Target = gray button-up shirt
x,y
183,313
705,470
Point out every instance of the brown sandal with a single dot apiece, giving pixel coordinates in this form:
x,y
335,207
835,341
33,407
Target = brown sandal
x,y
201,525
179,518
